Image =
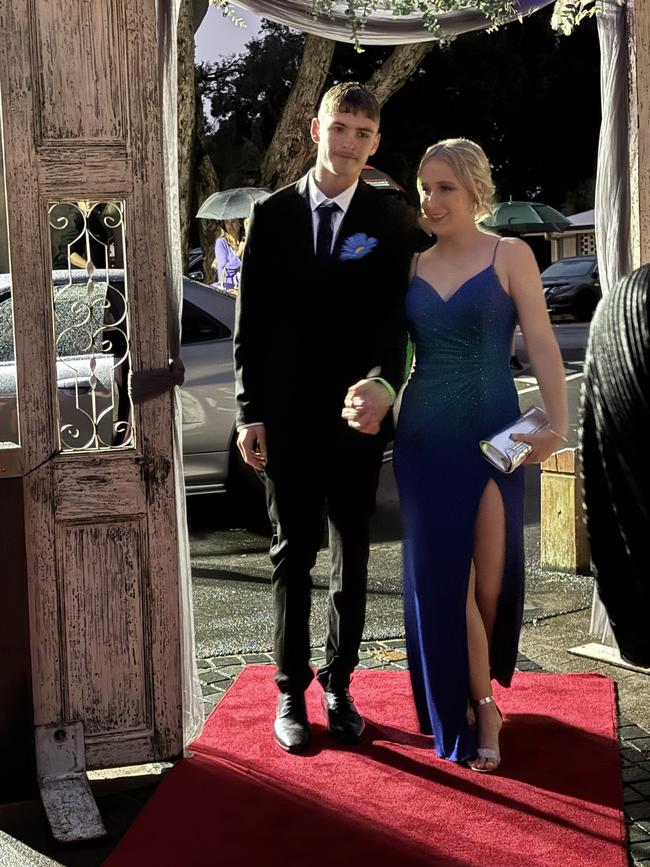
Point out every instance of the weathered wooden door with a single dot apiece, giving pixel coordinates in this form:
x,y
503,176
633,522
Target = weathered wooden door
x,y
85,188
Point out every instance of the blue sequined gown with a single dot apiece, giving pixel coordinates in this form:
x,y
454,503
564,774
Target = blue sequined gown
x,y
460,392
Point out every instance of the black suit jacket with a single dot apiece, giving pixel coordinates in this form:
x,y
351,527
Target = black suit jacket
x,y
305,332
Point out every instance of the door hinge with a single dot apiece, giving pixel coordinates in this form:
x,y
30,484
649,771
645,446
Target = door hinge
x,y
65,791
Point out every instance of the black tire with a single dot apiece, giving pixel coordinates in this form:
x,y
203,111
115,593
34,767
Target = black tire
x,y
584,308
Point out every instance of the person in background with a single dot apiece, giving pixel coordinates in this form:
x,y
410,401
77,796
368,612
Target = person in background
x,y
228,252
67,237
85,231
515,364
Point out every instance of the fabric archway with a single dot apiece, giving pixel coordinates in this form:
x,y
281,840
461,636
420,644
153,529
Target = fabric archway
x,y
382,27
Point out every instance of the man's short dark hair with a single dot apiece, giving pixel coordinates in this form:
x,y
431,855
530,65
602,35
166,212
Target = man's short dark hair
x,y
350,96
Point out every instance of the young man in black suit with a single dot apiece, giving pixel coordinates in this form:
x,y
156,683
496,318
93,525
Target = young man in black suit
x,y
319,356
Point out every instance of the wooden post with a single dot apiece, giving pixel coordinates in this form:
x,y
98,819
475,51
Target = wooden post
x,y
564,541
638,29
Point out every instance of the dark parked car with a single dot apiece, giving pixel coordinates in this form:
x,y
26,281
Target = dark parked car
x,y
195,265
571,286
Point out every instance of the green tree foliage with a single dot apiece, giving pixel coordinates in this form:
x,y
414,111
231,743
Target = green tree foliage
x,y
246,94
529,96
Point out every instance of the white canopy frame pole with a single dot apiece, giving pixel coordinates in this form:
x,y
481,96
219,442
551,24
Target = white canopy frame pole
x,y
167,30
638,45
612,218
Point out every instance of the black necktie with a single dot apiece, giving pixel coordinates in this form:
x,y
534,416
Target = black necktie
x,y
326,211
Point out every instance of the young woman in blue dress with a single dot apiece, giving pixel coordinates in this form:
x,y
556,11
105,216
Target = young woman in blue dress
x,y
463,549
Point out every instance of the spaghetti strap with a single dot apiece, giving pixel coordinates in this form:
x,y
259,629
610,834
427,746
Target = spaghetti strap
x,y
414,265
496,247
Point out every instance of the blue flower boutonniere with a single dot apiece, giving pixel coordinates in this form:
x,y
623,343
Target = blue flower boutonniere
x,y
357,246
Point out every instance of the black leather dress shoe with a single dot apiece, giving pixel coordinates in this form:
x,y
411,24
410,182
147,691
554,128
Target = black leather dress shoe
x,y
291,727
344,722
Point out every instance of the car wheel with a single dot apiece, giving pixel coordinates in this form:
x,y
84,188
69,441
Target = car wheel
x,y
248,492
584,309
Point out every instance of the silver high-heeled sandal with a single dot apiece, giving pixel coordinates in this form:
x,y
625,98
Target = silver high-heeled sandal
x,y
484,752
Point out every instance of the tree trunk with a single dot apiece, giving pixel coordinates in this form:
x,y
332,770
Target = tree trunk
x,y
205,184
291,146
397,69
186,120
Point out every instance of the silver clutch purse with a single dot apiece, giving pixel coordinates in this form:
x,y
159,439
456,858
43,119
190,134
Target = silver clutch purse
x,y
507,454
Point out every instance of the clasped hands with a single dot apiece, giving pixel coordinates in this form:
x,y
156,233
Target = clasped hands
x,y
366,405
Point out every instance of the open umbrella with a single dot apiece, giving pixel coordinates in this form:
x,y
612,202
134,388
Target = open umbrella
x,y
231,204
524,218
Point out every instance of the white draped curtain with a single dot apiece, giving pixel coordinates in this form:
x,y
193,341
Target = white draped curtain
x,y
382,27
612,205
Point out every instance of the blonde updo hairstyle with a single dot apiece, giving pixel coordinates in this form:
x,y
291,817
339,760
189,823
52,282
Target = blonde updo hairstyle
x,y
469,163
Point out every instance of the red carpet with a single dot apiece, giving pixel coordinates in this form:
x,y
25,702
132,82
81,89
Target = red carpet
x,y
242,802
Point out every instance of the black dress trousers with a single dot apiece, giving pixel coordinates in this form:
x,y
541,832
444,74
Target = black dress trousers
x,y
335,476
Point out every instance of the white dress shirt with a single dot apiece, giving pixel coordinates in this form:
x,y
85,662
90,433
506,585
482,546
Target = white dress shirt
x,y
317,197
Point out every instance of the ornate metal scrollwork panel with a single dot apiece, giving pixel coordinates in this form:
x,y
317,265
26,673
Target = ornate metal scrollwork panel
x,y
91,323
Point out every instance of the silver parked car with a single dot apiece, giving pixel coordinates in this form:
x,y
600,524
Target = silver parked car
x,y
211,460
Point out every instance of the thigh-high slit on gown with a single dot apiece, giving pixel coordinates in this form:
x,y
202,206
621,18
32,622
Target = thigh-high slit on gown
x,y
460,392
